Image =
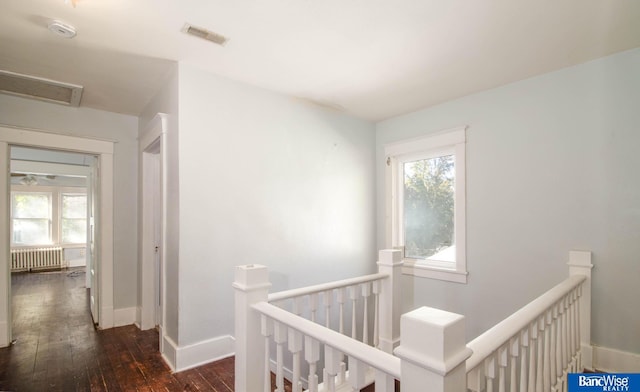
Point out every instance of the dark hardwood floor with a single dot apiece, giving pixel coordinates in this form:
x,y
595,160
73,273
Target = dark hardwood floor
x,y
57,348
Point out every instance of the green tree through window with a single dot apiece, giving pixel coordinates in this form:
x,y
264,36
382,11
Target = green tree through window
x,y
31,215
428,206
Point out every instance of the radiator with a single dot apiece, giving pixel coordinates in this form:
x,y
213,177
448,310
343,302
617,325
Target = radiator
x,y
31,259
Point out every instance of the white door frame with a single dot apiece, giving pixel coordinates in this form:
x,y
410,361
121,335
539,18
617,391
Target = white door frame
x,y
152,140
103,149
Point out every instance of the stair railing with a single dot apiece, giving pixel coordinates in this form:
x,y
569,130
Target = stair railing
x,y
536,347
530,351
366,309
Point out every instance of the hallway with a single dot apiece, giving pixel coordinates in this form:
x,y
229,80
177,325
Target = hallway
x,y
57,348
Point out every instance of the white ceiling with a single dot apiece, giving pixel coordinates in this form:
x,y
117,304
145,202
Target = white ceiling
x,y
372,58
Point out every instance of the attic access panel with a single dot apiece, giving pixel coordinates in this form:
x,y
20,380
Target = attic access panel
x,y
42,89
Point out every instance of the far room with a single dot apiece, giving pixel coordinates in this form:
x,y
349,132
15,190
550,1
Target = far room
x,y
50,209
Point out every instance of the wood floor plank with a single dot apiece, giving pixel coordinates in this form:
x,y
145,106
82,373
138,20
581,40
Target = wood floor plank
x,y
58,349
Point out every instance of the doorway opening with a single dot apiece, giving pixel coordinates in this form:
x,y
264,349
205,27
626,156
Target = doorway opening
x,y
53,199
99,225
152,150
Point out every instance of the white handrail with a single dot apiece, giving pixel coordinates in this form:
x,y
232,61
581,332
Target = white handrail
x,y
282,295
378,359
492,339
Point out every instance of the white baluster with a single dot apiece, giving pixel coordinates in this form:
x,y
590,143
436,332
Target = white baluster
x,y
280,337
357,371
546,367
540,356
267,330
342,374
565,337
384,382
515,352
313,306
524,343
560,342
579,327
328,300
353,291
295,346
574,331
297,306
503,354
570,336
558,346
376,321
340,298
475,378
553,344
312,356
533,328
366,293
332,361
490,371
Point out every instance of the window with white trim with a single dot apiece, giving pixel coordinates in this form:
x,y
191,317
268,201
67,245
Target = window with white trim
x,y
426,204
31,218
73,220
48,216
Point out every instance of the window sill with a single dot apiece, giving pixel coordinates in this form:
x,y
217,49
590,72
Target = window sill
x,y
422,269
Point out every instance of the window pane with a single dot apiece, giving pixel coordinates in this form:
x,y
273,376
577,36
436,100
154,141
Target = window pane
x,y
31,205
74,206
31,231
429,207
74,231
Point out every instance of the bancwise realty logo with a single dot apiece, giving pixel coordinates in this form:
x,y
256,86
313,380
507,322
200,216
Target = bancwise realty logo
x,y
614,382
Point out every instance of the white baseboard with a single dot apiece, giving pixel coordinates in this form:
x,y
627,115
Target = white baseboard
x,y
124,316
76,263
106,317
168,350
615,361
200,353
5,339
138,321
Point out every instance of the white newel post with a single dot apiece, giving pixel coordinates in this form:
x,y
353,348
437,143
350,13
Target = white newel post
x,y
580,264
390,263
251,286
433,351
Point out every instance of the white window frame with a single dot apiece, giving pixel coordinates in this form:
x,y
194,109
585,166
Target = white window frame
x,y
62,193
50,218
55,209
448,142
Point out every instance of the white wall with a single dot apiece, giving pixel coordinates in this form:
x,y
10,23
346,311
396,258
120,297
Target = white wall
x,y
95,123
552,166
266,179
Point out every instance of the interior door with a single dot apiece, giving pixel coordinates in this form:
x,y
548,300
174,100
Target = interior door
x,y
157,237
92,251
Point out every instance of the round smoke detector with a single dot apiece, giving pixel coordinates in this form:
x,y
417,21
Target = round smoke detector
x,y
62,29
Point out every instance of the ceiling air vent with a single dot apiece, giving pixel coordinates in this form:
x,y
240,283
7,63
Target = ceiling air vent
x,y
39,88
205,34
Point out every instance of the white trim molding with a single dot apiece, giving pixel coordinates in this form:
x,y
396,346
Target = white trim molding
x,y
451,263
168,350
124,316
615,361
181,358
42,139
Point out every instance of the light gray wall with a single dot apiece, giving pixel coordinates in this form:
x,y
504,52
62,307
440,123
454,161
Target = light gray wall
x,y
86,122
552,166
266,179
166,101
